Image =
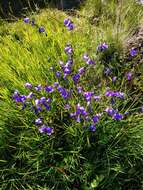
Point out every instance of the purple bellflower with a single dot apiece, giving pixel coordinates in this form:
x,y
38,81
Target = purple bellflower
x,y
133,52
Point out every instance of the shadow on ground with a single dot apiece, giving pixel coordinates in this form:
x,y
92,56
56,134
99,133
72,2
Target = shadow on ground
x,y
10,8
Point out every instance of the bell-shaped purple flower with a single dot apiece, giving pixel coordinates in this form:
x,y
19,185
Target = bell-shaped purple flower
x,y
58,74
87,59
46,130
41,29
107,71
49,89
43,99
38,88
28,85
119,95
27,20
64,93
30,95
48,107
110,111
56,84
37,102
79,89
69,24
97,98
49,131
133,52
68,49
88,95
102,47
76,78
118,116
92,128
81,70
38,121
96,118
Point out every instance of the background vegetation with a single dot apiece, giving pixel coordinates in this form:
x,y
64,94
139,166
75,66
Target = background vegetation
x,y
111,157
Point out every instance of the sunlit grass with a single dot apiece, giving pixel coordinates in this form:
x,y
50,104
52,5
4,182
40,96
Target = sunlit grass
x,y
111,157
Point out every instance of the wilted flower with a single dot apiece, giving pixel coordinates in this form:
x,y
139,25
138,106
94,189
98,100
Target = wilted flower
x,y
126,113
61,63
67,106
107,71
24,106
33,22
112,101
129,76
78,119
85,57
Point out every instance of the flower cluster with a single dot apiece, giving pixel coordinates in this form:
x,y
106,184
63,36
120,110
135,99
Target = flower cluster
x,y
27,20
114,113
110,93
79,101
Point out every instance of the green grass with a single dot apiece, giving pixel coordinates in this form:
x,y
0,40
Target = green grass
x,y
72,158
